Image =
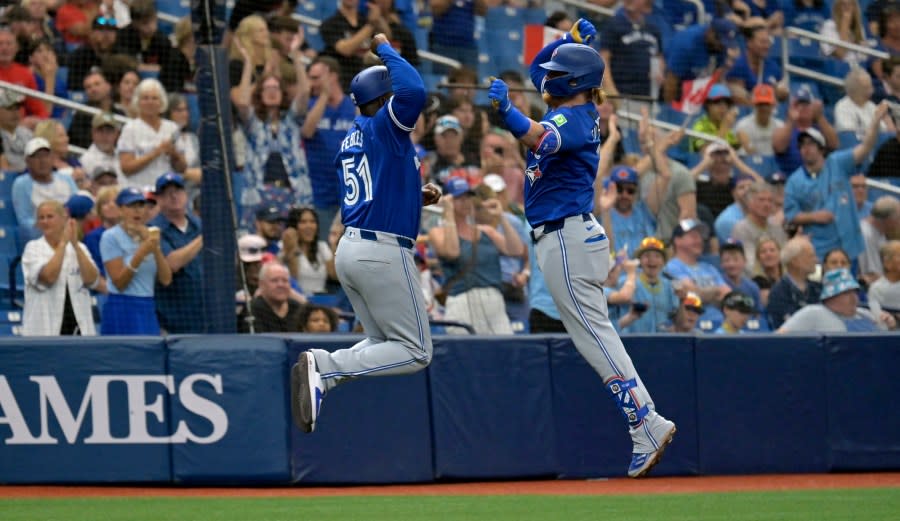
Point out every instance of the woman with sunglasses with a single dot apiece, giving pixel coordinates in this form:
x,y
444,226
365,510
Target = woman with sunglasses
x,y
134,264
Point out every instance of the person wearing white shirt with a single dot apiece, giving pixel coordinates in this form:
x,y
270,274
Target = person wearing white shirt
x,y
101,155
59,272
309,260
854,112
146,147
761,124
886,290
883,220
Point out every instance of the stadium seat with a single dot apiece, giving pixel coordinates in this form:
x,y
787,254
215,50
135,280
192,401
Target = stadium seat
x,y
762,165
7,214
805,53
848,138
10,330
6,181
8,245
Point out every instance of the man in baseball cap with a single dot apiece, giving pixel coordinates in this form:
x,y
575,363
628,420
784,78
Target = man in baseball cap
x,y
653,293
630,218
37,184
270,225
692,274
760,125
805,111
737,308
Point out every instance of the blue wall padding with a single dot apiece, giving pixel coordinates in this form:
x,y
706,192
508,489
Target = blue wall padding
x,y
253,376
863,382
373,430
761,404
592,436
492,408
72,362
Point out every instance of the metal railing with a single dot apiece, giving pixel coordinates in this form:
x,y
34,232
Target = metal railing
x,y
672,127
797,33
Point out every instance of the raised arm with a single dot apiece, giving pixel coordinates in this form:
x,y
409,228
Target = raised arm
x,y
862,150
409,89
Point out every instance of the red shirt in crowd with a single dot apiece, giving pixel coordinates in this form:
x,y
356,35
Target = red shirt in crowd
x,y
20,75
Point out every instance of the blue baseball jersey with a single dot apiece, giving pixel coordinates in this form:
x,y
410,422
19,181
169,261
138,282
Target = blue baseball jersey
x,y
377,160
322,147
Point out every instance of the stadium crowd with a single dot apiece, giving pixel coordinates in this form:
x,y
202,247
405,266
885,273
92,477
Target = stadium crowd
x,y
766,224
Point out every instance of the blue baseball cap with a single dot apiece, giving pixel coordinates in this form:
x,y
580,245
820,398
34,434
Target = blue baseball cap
x,y
837,281
804,94
726,32
130,195
624,174
731,244
457,186
688,225
170,178
79,205
735,180
718,91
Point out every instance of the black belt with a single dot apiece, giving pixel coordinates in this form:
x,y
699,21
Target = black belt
x,y
557,224
372,236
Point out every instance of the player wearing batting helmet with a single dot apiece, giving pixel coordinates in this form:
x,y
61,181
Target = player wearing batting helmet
x,y
571,247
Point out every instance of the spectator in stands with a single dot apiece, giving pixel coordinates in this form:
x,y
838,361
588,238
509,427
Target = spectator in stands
x,y
134,262
464,80
401,37
448,160
179,75
697,51
188,143
734,212
243,9
98,93
805,111
861,195
839,310
100,43
883,224
716,178
718,119
473,122
794,290
755,67
251,251
109,214
855,111
756,224
886,289
667,186
37,184
805,14
272,309
692,274
559,20
470,259
685,319
631,220
118,10
845,25
122,73
330,114
16,73
309,259
888,155
64,162
453,32
737,307
253,35
608,125
14,134
500,155
767,270
318,319
24,27
73,20
629,44
346,36
37,9
146,147
651,290
835,259
761,124
47,75
819,198
58,274
143,40
890,80
100,158
270,226
733,263
179,305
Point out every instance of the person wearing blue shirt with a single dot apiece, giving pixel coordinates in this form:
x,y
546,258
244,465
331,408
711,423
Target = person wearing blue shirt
x,y
733,263
805,111
735,211
179,305
755,66
807,14
628,43
698,51
794,290
330,115
134,263
692,274
631,220
37,184
453,30
818,195
381,211
652,292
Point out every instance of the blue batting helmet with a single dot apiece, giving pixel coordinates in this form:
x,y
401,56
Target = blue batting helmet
x,y
583,67
370,84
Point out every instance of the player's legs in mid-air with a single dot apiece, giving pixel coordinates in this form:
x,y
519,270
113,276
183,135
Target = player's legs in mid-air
x,y
575,262
382,282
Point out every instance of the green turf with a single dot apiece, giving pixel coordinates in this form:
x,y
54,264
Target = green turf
x,y
819,505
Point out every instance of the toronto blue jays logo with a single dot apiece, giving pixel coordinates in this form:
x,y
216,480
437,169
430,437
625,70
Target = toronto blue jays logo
x,y
533,172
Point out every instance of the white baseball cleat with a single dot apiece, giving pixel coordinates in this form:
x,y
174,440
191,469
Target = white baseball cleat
x,y
306,392
650,441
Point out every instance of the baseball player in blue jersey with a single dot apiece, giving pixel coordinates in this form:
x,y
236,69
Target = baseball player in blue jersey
x,y
382,205
571,247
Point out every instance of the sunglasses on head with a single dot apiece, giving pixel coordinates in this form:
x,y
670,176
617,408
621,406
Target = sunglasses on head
x,y
105,21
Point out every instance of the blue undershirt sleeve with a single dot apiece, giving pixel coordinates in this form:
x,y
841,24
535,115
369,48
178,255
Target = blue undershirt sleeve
x,y
409,89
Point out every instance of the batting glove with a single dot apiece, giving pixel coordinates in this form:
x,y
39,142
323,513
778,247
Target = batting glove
x,y
499,96
583,31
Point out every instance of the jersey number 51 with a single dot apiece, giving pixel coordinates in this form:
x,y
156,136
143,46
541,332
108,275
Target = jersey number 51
x,y
353,174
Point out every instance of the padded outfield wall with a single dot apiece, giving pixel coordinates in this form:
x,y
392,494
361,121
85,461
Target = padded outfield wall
x,y
214,409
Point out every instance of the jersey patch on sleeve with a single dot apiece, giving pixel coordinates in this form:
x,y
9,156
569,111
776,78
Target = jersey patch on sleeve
x,y
549,142
559,119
